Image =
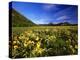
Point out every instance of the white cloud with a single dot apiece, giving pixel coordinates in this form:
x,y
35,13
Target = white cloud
x,y
49,7
62,18
40,21
62,12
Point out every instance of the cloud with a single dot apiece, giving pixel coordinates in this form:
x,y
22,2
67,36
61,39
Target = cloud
x,y
62,12
49,7
63,18
40,21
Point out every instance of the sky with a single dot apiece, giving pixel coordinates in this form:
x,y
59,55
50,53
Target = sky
x,y
44,13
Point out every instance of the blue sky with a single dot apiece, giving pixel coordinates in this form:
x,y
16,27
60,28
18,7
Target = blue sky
x,y
41,13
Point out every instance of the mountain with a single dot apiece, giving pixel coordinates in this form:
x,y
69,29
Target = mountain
x,y
66,24
18,20
59,24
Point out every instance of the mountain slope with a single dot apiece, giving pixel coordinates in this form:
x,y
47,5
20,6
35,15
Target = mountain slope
x,y
19,20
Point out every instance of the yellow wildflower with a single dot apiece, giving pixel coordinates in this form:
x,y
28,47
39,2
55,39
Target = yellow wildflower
x,y
37,38
14,42
38,45
25,45
15,46
73,50
76,46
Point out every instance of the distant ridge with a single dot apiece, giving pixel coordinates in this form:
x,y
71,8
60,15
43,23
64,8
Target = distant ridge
x,y
19,20
59,24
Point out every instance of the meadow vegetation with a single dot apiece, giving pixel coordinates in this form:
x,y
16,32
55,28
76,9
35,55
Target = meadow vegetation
x,y
43,41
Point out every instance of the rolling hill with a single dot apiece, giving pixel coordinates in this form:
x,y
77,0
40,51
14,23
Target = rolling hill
x,y
18,20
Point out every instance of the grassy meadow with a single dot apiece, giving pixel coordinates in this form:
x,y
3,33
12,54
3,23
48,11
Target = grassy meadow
x,y
40,41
